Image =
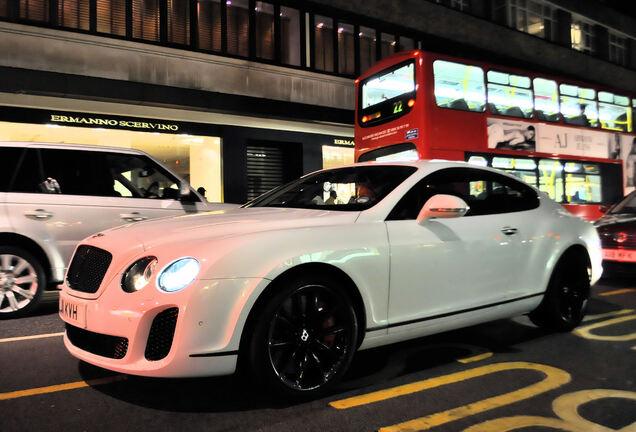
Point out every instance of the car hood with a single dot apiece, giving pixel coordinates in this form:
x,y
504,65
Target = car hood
x,y
202,227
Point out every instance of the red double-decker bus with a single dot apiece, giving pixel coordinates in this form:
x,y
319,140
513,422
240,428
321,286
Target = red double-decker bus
x,y
568,138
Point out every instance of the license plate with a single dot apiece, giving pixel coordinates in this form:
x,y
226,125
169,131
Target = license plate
x,y
619,255
73,311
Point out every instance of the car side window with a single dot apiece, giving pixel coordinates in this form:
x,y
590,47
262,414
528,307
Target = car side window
x,y
10,158
485,193
138,176
74,172
27,176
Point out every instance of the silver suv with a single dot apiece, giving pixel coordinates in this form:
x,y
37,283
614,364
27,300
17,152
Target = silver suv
x,y
52,196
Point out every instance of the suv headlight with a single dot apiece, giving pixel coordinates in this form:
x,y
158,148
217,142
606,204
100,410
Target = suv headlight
x,y
138,274
178,274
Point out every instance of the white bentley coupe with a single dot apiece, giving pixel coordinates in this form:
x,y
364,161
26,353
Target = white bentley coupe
x,y
294,282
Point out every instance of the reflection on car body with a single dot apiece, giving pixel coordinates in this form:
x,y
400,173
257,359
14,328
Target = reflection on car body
x,y
290,285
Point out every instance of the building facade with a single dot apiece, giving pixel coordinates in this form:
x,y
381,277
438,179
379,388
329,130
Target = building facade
x,y
239,96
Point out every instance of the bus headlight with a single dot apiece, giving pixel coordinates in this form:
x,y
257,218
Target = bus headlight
x,y
178,274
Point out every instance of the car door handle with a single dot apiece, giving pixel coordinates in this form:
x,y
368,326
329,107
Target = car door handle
x,y
132,217
509,231
38,214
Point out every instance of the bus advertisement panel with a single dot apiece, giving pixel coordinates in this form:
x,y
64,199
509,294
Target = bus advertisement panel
x,y
569,139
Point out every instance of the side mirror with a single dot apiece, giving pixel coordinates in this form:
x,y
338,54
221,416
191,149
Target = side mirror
x,y
442,206
604,208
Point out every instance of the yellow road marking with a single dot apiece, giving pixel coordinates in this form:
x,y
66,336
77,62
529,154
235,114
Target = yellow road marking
x,y
566,408
620,291
475,358
585,332
40,336
554,378
607,315
61,387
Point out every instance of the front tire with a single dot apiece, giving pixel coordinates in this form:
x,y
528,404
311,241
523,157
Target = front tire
x,y
565,300
22,281
304,338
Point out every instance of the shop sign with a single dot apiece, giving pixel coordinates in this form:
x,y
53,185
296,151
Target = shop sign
x,y
343,142
114,123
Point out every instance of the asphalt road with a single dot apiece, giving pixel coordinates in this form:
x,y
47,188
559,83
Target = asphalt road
x,y
501,376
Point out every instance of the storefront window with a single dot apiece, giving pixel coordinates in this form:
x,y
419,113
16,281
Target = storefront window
x,y
111,17
346,50
334,156
146,19
406,44
73,14
209,24
323,37
264,14
238,19
367,48
34,10
388,44
290,36
179,21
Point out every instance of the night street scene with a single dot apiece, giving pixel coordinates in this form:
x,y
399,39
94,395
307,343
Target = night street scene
x,y
325,215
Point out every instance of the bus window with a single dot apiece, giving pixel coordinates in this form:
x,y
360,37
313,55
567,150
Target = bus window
x,y
509,94
582,183
394,153
522,168
546,99
578,105
387,95
459,86
614,112
478,160
551,179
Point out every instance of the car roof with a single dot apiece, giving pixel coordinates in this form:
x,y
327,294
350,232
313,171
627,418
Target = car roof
x,y
70,146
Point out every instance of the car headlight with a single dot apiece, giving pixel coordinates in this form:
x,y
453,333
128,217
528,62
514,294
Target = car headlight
x,y
138,274
178,274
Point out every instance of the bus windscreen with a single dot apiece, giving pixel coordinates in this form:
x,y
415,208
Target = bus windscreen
x,y
388,85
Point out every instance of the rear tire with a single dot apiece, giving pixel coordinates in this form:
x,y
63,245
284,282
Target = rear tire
x,y
22,280
303,338
566,298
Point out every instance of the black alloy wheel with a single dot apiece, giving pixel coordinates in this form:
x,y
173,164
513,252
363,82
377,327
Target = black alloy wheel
x,y
566,298
305,339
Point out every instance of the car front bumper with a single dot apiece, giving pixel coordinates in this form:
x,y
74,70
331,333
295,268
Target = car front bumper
x,y
193,332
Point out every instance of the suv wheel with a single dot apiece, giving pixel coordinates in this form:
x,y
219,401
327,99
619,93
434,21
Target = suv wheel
x,y
22,281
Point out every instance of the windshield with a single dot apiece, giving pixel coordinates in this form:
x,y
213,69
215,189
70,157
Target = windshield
x,y
344,189
628,205
389,85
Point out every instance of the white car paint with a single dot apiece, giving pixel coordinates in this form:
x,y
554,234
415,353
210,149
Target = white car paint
x,y
413,278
